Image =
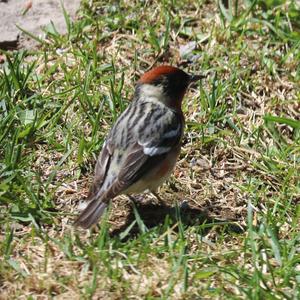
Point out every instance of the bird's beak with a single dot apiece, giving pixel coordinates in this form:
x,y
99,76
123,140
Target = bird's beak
x,y
194,78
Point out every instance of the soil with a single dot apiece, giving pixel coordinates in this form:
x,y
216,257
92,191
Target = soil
x,y
32,16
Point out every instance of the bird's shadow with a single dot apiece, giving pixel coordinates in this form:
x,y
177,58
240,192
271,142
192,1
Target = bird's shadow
x,y
149,215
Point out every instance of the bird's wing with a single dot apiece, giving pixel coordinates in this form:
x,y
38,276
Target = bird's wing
x,y
152,146
91,214
102,166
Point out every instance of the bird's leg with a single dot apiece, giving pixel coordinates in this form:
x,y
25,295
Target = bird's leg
x,y
137,199
133,199
160,200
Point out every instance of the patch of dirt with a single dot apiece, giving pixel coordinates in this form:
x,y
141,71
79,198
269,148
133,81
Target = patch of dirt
x,y
32,16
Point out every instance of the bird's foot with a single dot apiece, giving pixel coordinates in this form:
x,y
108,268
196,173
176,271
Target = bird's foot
x,y
161,202
137,199
184,204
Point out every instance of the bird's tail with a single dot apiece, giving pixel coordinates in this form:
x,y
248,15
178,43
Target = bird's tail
x,y
91,214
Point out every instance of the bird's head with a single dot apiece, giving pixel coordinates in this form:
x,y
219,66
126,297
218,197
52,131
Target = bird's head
x,y
166,84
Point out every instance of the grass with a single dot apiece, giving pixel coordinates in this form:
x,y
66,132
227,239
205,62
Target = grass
x,y
237,237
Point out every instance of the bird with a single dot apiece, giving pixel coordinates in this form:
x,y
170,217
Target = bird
x,y
141,149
